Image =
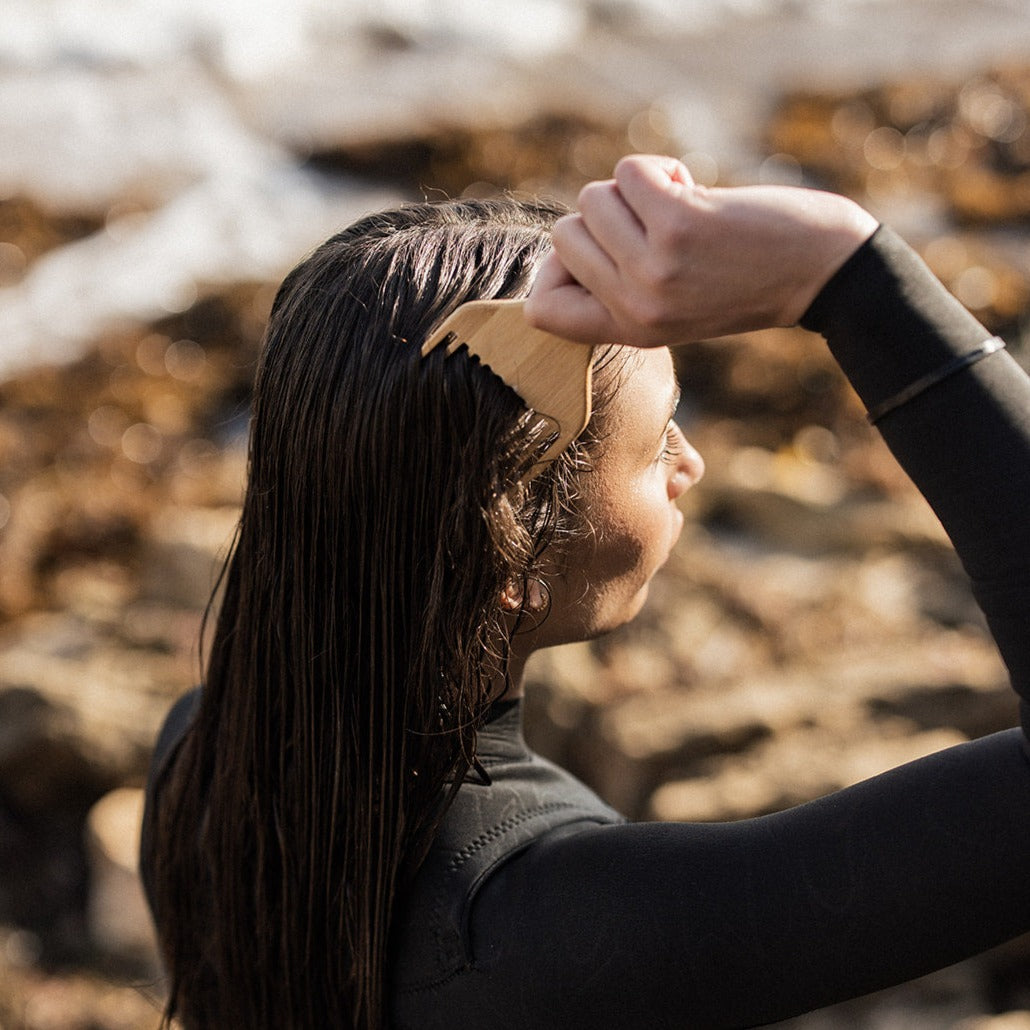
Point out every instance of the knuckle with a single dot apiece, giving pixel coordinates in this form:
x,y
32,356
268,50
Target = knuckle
x,y
646,311
673,237
564,229
628,166
593,195
659,276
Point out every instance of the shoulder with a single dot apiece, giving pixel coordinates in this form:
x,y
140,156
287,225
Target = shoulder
x,y
522,800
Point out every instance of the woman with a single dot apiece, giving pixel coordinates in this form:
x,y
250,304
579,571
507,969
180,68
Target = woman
x,y
348,830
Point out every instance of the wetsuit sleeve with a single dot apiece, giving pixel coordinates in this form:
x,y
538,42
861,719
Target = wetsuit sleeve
x,y
741,924
964,442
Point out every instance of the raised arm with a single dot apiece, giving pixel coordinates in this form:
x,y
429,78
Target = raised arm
x,y
956,414
651,259
739,924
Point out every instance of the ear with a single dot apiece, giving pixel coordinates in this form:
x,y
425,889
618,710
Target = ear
x,y
512,599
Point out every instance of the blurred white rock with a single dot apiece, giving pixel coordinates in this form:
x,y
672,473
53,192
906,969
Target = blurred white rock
x,y
119,920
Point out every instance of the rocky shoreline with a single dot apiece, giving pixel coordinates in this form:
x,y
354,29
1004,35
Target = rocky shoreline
x,y
812,628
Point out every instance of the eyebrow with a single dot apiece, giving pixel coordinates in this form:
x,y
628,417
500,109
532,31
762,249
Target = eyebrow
x,y
673,405
677,393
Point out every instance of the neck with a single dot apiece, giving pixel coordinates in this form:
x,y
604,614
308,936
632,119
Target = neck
x,y
509,688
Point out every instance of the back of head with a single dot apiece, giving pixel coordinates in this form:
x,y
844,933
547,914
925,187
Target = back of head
x,y
360,630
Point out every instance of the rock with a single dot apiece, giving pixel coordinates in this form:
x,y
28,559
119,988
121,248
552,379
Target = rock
x,y
45,762
941,999
795,767
28,231
1006,1021
119,920
82,705
185,551
858,702
896,145
237,226
32,1000
811,628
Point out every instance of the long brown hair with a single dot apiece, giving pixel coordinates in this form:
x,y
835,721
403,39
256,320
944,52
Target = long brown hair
x,y
360,629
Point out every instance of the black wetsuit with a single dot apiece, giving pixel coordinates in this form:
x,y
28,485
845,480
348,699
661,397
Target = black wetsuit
x,y
538,907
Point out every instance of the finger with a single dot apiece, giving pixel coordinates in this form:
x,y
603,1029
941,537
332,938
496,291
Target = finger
x,y
560,305
551,274
648,183
659,169
611,222
571,312
585,260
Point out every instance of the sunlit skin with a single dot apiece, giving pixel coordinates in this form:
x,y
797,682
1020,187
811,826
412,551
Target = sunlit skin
x,y
651,259
645,465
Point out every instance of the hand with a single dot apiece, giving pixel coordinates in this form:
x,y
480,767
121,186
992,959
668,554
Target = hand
x,y
652,259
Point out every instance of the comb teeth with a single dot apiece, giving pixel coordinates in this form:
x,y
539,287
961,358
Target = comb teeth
x,y
551,375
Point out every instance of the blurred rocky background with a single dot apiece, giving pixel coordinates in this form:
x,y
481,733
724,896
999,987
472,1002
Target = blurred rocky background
x,y
164,164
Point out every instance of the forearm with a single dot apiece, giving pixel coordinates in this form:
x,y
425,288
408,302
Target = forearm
x,y
965,441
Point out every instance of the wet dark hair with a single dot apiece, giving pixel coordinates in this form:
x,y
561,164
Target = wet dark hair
x,y
361,631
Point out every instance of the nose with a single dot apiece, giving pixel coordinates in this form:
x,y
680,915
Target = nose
x,y
690,467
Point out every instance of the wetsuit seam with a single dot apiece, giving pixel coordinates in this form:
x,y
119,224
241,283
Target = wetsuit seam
x,y
501,828
457,861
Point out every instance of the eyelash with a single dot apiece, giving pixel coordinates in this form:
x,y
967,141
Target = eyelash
x,y
673,447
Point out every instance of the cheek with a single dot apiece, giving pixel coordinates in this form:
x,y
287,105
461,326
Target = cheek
x,y
619,554
634,543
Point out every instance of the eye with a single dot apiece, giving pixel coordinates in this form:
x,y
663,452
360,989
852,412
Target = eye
x,y
672,447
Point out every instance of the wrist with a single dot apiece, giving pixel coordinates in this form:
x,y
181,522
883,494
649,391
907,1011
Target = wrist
x,y
840,227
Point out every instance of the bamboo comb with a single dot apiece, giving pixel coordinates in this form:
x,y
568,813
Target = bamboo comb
x,y
550,375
